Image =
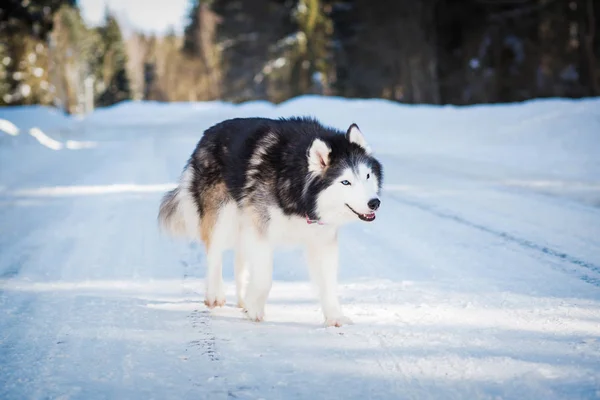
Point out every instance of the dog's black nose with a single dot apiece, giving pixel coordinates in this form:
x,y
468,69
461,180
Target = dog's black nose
x,y
374,204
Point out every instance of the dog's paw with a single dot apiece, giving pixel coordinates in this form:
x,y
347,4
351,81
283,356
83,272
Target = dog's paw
x,y
214,301
338,321
254,313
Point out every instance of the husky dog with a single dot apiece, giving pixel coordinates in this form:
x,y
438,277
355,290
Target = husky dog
x,y
254,184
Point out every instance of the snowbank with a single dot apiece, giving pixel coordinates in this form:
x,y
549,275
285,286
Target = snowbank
x,y
48,119
130,113
551,130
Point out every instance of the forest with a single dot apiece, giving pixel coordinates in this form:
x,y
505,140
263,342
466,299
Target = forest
x,y
457,52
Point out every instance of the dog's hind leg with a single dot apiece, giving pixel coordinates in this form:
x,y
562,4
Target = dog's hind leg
x,y
241,270
218,230
214,295
214,292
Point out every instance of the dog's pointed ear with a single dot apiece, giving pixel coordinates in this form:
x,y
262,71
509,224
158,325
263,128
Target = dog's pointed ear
x,y
354,135
318,156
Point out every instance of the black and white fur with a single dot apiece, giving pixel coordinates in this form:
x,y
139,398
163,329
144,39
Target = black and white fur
x,y
254,184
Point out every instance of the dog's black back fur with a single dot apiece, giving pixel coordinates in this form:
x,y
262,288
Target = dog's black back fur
x,y
265,160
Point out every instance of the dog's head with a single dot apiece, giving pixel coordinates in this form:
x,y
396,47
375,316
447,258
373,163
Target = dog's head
x,y
345,178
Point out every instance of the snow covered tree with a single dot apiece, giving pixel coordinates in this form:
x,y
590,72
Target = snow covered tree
x,y
24,28
249,46
286,57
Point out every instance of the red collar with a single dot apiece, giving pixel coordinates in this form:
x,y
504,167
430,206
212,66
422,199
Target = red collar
x,y
313,221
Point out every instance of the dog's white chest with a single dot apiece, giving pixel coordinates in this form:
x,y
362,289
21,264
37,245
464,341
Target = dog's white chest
x,y
287,231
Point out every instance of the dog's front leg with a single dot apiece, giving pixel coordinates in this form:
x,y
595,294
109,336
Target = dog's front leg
x,y
323,261
259,253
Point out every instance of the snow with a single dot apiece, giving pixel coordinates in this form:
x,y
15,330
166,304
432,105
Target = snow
x,y
480,278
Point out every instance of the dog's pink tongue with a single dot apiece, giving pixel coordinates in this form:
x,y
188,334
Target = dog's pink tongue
x,y
370,215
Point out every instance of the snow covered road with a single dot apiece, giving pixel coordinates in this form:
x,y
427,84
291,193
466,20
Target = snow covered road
x,y
480,278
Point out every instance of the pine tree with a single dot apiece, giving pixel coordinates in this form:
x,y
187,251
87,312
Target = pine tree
x,y
113,85
390,52
286,57
192,30
24,29
254,54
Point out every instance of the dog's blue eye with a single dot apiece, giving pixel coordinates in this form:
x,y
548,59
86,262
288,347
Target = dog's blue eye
x,y
346,183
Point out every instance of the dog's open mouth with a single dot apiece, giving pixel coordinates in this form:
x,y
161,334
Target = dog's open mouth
x,y
365,217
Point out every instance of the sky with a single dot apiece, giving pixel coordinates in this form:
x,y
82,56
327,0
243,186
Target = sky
x,y
151,16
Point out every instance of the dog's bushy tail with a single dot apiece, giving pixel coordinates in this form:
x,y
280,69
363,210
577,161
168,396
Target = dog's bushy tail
x,y
178,213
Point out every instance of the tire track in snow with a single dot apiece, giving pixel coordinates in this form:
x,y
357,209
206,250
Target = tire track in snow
x,y
525,243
